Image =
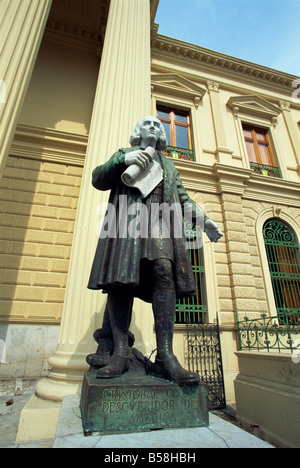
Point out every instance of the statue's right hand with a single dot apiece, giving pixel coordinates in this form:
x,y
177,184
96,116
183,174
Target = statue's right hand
x,y
138,157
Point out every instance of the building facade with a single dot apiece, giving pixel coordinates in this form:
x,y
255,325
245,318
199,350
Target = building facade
x,y
78,76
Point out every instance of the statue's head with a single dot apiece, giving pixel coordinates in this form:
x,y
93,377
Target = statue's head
x,y
135,137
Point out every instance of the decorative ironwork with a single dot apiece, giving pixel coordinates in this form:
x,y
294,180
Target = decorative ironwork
x,y
194,309
282,250
204,357
180,153
264,169
266,333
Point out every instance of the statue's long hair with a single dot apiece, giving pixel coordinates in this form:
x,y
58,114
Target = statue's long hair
x,y
135,137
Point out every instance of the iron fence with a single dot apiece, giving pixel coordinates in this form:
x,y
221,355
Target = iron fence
x,y
180,153
264,333
264,169
203,355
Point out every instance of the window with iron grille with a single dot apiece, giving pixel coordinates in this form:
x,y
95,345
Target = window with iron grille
x,y
194,309
283,256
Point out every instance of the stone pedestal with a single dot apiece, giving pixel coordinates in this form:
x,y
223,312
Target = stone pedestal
x,y
138,402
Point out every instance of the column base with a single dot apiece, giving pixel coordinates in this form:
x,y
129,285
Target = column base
x,y
55,390
65,377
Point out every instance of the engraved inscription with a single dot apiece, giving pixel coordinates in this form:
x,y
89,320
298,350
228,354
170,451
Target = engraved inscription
x,y
149,407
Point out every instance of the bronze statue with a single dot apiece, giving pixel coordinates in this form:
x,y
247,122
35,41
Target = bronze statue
x,y
151,262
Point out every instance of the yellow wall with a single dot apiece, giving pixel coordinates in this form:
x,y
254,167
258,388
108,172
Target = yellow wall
x,y
62,89
39,192
38,203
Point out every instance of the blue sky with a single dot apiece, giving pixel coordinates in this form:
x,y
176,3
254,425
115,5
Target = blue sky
x,y
266,32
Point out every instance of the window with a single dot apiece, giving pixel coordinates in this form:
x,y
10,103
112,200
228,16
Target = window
x,y
178,129
282,248
260,152
194,309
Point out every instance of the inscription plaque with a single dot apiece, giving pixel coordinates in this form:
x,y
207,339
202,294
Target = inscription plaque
x,y
140,402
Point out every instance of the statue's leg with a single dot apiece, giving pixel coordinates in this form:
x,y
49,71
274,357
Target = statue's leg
x,y
163,304
119,309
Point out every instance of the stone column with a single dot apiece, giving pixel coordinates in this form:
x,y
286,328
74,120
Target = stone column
x,y
122,97
22,25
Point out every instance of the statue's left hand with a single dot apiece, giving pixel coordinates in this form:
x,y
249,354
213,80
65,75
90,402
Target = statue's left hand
x,y
213,231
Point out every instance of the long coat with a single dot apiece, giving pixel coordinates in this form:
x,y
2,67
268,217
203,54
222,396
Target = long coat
x,y
117,262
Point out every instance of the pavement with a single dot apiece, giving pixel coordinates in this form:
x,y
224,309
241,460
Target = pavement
x,y
222,432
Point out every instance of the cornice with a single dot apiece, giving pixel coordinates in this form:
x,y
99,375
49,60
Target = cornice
x,y
177,50
273,190
221,178
196,176
153,9
46,144
81,24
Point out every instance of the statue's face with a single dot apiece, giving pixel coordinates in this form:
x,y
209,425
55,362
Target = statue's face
x,y
150,130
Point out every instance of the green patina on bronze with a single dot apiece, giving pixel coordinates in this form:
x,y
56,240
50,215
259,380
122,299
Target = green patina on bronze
x,y
140,402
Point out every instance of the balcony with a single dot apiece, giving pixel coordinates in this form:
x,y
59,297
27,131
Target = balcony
x,y
179,153
263,169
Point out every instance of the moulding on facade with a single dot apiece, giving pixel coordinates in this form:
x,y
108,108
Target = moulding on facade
x,y
221,178
81,23
196,176
178,50
173,84
254,105
153,9
231,181
273,190
47,144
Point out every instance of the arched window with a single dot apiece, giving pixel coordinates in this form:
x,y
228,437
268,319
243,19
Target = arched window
x,y
282,248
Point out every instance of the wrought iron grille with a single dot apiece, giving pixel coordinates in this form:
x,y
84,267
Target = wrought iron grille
x,y
282,248
266,333
194,309
180,153
204,356
264,169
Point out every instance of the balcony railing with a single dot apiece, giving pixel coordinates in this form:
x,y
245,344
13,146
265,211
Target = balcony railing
x,y
265,333
264,169
180,153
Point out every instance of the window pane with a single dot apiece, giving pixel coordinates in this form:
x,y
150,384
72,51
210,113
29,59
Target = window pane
x,y
167,129
182,140
261,135
264,154
180,117
251,151
163,114
247,133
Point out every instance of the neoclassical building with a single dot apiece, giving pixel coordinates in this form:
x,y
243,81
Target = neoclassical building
x,y
76,77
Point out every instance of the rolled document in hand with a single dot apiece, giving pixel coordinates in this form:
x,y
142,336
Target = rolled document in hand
x,y
133,171
145,180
